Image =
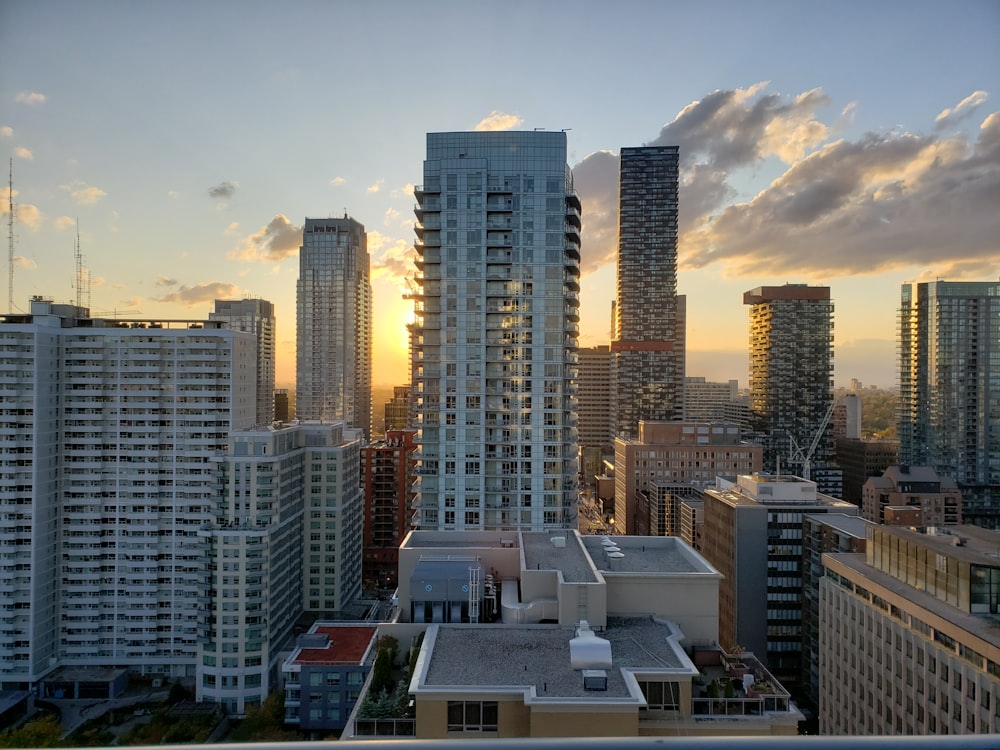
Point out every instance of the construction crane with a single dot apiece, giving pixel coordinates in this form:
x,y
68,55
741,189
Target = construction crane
x,y
798,456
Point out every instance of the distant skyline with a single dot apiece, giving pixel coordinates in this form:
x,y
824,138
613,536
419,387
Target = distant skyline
x,y
855,145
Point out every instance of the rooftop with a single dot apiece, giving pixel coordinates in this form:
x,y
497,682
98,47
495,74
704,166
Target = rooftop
x,y
853,525
542,553
538,657
346,644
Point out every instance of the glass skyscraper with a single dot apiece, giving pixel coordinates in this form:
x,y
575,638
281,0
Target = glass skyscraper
x,y
333,351
949,388
495,332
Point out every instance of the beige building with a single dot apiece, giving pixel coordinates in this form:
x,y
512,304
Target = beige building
x,y
686,456
561,635
938,498
908,635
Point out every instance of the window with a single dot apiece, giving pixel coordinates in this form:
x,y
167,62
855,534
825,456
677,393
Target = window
x,y
472,716
661,696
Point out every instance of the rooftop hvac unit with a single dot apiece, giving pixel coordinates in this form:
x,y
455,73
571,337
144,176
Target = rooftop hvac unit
x,y
595,679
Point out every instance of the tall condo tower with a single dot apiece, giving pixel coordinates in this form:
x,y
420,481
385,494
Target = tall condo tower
x,y
333,355
649,335
791,373
949,388
254,316
495,332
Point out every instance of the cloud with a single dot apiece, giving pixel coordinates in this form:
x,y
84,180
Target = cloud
x,y
391,257
880,201
391,215
961,111
278,240
27,215
6,131
29,97
165,281
336,181
65,222
223,190
98,281
23,153
83,194
173,195
498,120
200,294
232,228
26,264
407,189
375,186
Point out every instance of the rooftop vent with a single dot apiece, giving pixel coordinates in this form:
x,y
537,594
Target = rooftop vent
x,y
559,541
589,651
595,679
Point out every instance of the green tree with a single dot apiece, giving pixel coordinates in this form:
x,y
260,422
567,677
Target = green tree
x,y
382,672
42,732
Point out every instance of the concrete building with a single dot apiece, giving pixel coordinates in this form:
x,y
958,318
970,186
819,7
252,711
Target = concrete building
x,y
707,401
596,397
282,409
650,317
105,479
679,458
281,485
333,335
791,376
847,417
324,675
822,533
908,640
397,409
495,334
860,459
949,387
938,499
254,316
540,635
753,536
387,472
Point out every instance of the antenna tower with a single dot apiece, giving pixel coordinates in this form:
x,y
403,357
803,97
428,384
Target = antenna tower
x,y
10,240
82,274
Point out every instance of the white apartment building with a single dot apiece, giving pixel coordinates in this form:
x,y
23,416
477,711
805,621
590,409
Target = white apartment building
x,y
106,432
495,332
254,316
908,639
285,536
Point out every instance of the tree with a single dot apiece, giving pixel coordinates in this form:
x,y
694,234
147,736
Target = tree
x,y
44,732
382,672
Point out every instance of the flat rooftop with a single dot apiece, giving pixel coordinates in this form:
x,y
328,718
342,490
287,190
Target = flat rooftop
x,y
538,656
541,553
646,554
347,645
853,525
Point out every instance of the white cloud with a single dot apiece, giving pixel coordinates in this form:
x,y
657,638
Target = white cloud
x,y
233,228
6,131
29,97
338,181
173,195
960,111
391,215
65,222
83,194
26,264
278,240
23,153
498,120
375,186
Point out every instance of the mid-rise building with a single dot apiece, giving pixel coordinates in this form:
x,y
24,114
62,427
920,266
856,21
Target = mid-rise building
x,y
949,388
707,401
495,334
908,640
650,317
791,375
669,461
753,536
397,409
562,635
847,417
596,398
387,472
254,316
939,500
282,410
860,459
282,485
333,335
822,533
105,480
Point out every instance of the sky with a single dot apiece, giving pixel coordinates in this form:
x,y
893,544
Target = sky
x,y
849,144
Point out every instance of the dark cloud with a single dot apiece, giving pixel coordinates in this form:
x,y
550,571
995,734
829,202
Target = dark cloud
x,y
887,199
278,240
223,190
201,294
